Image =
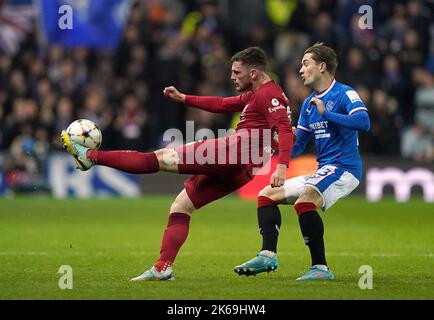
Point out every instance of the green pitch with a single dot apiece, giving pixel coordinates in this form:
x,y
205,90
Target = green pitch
x,y
106,242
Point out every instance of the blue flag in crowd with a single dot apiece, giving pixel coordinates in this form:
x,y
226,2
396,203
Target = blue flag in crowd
x,y
88,23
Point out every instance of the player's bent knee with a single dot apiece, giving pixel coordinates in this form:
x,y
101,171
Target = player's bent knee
x,y
266,192
182,204
312,196
168,159
275,194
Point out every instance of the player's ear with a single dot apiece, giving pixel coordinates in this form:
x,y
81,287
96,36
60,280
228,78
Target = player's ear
x,y
322,67
253,74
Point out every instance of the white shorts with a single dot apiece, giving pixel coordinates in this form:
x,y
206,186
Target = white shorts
x,y
331,182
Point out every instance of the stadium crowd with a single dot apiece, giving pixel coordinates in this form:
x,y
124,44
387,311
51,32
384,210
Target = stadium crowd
x,y
189,43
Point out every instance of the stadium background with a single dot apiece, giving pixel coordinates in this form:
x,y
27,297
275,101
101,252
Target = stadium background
x,y
188,44
45,86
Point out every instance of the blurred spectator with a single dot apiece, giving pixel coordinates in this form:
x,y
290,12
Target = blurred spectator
x,y
417,144
384,135
130,124
424,98
356,71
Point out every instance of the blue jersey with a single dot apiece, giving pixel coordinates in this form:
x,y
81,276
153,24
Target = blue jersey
x,y
336,145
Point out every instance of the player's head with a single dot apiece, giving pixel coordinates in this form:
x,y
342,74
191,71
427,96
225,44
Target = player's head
x,y
247,67
318,61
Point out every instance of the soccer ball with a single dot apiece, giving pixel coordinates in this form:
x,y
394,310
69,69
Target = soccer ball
x,y
85,133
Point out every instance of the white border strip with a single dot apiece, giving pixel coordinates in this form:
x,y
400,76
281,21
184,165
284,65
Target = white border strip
x,y
358,109
303,128
327,91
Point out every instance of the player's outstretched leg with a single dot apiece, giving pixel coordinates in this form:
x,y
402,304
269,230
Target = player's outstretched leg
x,y
124,160
269,220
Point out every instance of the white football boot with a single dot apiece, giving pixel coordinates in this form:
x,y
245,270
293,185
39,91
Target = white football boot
x,y
152,275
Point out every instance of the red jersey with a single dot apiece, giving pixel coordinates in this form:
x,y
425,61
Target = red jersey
x,y
264,108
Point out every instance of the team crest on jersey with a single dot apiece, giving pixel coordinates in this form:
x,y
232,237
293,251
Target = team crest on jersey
x,y
275,102
329,105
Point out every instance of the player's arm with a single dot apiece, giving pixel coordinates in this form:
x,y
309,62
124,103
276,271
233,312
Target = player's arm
x,y
211,104
286,138
356,119
274,110
302,133
300,144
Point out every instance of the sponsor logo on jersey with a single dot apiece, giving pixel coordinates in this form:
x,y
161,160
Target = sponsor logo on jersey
x,y
275,102
318,125
274,109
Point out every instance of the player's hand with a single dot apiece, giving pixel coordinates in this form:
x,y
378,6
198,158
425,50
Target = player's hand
x,y
319,105
279,176
174,94
288,113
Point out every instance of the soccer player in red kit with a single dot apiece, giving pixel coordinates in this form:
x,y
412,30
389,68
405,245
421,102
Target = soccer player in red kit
x,y
263,105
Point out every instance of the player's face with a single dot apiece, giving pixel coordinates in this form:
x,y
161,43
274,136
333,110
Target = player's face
x,y
241,76
310,71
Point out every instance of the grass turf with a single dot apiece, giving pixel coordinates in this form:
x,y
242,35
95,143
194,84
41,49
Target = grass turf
x,y
107,242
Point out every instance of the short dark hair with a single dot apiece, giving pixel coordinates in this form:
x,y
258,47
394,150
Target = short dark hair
x,y
252,56
322,53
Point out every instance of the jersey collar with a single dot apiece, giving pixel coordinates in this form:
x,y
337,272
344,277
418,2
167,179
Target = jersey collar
x,y
323,93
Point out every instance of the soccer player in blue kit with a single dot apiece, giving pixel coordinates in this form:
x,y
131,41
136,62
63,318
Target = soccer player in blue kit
x,y
332,115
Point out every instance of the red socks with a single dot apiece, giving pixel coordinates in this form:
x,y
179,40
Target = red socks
x,y
127,161
265,201
303,207
174,237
